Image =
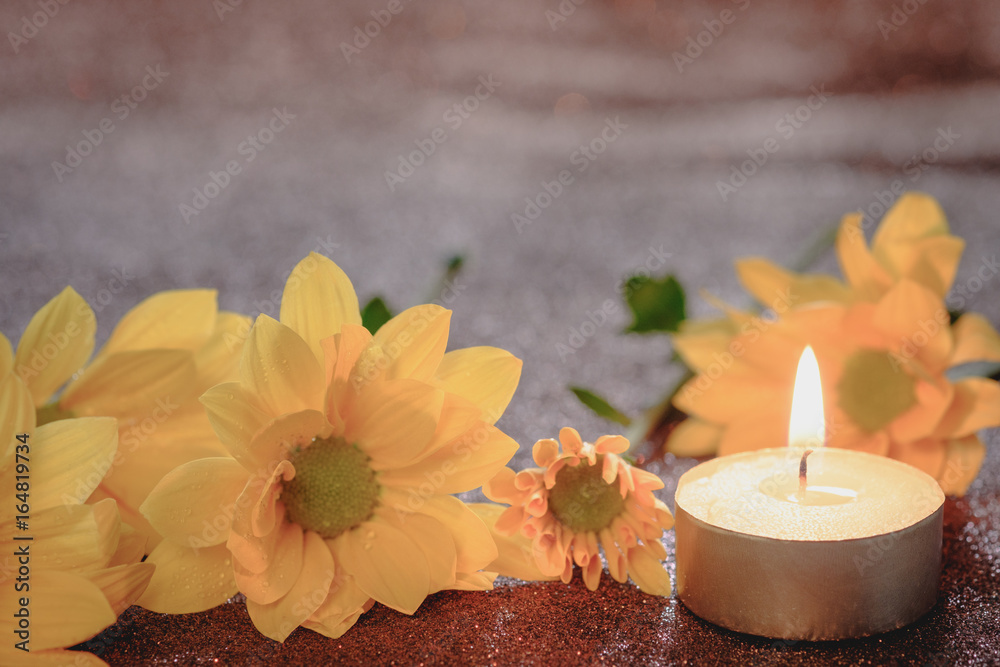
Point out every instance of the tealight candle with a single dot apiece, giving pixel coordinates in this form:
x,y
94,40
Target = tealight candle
x,y
800,543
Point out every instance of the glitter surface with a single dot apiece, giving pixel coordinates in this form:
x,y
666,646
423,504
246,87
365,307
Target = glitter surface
x,y
556,624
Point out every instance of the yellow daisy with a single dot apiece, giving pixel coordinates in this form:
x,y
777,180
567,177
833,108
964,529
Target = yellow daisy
x,y
345,448
581,500
160,357
884,344
80,568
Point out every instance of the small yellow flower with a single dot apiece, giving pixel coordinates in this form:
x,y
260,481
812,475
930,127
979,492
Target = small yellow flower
x,y
884,343
160,357
345,448
577,502
82,565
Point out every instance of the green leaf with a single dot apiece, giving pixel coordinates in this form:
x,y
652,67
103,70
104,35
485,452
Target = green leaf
x,y
600,406
375,314
656,305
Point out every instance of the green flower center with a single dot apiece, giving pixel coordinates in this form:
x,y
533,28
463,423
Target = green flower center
x,y
334,488
582,501
875,389
51,413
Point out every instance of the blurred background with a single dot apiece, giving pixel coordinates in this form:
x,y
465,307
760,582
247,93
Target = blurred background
x,y
391,135
557,146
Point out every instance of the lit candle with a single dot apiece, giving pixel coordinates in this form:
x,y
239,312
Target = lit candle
x,y
807,542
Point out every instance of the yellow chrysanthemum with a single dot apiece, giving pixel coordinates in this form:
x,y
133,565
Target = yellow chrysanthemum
x,y
160,357
580,500
345,447
80,568
884,344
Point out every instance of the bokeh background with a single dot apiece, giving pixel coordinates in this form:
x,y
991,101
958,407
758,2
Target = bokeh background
x,y
856,95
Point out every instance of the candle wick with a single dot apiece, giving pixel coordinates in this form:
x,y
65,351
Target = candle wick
x,y
803,470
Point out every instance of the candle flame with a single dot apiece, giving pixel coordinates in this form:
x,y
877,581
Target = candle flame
x,y
807,427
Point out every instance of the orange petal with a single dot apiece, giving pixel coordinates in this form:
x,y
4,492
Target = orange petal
x,y
963,458
648,572
864,274
309,588
975,340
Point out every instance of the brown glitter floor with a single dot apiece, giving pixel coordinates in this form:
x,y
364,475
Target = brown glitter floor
x,y
555,624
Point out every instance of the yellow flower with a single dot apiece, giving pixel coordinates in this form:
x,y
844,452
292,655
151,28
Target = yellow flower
x,y
580,500
911,243
81,568
160,357
345,447
884,343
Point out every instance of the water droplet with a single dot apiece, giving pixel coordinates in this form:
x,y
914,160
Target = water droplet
x,y
370,535
368,546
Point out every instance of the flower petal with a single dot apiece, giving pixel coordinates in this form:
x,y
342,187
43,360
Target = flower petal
x,y
173,319
393,422
486,376
56,343
515,553
266,567
66,609
916,321
123,584
386,564
75,538
73,456
318,300
17,417
435,542
975,340
218,360
859,267
280,370
133,383
310,587
963,458
695,437
779,289
235,418
647,572
912,241
475,546
341,608
188,580
193,504
463,464
273,443
976,406
414,341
